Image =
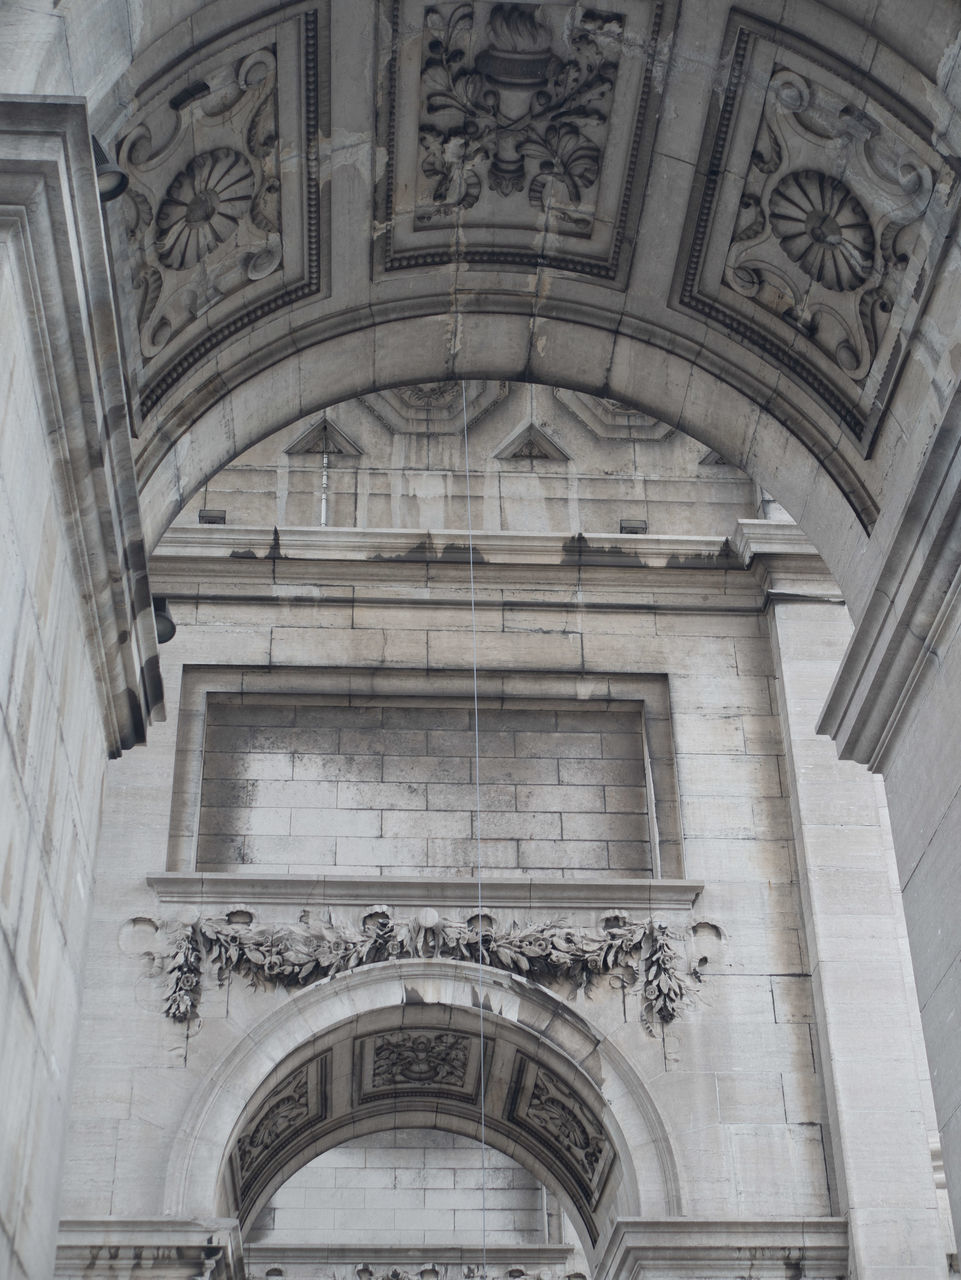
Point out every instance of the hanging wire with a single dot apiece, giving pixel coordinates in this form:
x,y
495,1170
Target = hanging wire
x,y
477,836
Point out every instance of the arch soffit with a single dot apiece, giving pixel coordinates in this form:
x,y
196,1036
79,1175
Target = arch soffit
x,y
808,475
542,1044
632,343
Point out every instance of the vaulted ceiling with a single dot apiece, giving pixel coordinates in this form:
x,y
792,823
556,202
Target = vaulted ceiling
x,y
739,221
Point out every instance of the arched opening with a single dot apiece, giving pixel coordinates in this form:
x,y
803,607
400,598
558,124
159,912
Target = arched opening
x,y
438,1068
561,1103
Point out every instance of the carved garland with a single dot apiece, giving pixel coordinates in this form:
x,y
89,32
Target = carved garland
x,y
637,957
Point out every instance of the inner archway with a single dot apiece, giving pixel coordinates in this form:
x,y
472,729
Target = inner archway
x,y
457,1071
412,1198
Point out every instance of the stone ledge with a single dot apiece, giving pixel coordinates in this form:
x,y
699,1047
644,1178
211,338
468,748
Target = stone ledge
x,y
170,1249
229,889
671,1249
449,546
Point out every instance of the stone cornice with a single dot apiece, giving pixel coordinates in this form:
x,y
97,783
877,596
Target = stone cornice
x,y
628,551
170,1249
228,890
770,1249
50,224
784,562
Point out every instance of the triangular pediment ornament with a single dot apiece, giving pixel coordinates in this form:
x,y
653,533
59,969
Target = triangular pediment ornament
x,y
324,437
532,443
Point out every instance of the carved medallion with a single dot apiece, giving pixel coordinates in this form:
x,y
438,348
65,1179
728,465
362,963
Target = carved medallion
x,y
204,205
822,227
819,206
527,118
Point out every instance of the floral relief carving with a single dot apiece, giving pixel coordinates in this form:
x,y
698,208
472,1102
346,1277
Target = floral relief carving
x,y
820,207
828,221
546,1105
421,1057
632,956
525,114
286,1107
520,119
560,1114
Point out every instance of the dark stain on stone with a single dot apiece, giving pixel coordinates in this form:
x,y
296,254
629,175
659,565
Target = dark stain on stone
x,y
460,553
274,552
246,554
419,552
412,996
578,550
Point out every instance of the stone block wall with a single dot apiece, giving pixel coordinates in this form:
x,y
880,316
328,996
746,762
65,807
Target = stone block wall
x,y
299,786
410,1187
52,761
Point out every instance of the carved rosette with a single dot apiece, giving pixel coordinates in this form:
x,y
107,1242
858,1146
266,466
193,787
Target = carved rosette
x,y
818,208
204,206
828,223
823,228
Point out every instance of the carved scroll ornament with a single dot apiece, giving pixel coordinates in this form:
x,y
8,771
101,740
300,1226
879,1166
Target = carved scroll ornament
x,y
829,219
639,957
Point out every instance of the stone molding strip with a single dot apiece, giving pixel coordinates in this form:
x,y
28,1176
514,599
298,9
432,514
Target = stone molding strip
x,y
50,221
688,1249
666,1249
230,890
170,1249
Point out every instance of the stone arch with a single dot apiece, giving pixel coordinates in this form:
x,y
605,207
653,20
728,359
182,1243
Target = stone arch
x,y
330,1065
806,472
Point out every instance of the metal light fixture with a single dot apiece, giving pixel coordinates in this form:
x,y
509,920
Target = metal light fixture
x,y
111,179
166,627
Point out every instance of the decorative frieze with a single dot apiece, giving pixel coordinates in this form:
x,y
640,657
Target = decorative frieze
x,y
422,1269
630,955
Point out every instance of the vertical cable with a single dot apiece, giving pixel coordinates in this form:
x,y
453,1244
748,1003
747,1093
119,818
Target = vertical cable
x,y
477,836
